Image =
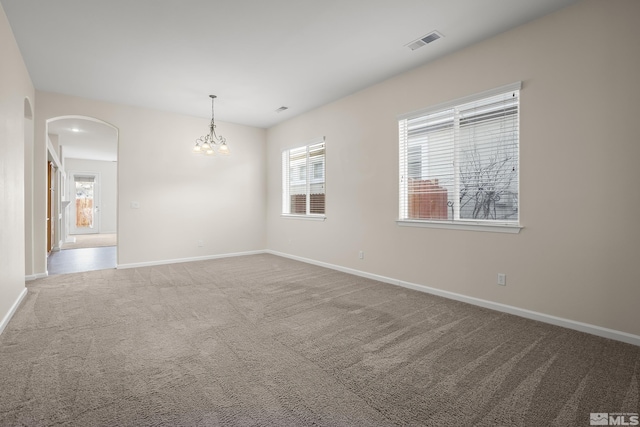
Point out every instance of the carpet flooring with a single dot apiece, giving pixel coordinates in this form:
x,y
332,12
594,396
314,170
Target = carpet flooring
x,y
267,341
91,241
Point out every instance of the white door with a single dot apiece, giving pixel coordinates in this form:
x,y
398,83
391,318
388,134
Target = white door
x,y
85,203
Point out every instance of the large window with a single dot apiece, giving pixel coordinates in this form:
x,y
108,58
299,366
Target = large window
x,y
459,161
303,180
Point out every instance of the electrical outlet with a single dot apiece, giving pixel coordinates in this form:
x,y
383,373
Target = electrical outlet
x,y
200,243
502,279
361,254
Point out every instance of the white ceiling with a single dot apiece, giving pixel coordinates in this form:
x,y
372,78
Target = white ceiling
x,y
85,139
255,55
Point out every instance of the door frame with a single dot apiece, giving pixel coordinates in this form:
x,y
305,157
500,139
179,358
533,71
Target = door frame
x,y
42,142
71,185
51,171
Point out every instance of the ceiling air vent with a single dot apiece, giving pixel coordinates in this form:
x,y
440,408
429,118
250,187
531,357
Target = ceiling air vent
x,y
424,40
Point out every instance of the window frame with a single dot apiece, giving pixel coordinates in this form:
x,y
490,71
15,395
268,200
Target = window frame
x,y
405,168
309,167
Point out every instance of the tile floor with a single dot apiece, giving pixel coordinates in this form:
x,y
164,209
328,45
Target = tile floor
x,y
77,260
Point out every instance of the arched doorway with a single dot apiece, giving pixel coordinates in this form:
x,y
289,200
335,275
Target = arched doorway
x,y
82,189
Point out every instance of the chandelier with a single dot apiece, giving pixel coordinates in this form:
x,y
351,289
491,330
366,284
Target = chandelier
x,y
211,142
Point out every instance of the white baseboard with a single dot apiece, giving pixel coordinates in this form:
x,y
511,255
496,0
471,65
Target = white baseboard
x,y
12,310
546,318
180,260
33,277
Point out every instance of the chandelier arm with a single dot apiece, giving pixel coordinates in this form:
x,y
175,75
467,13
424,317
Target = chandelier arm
x,y
217,139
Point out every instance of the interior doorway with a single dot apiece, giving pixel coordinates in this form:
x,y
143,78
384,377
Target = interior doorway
x,y
87,194
85,203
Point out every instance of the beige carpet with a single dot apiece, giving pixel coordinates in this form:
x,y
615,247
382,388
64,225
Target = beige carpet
x,y
267,341
92,241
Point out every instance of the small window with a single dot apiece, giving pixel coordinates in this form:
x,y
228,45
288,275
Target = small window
x,y
459,162
303,180
318,171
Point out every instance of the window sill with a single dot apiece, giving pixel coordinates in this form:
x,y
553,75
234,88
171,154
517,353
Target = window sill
x,y
461,225
304,217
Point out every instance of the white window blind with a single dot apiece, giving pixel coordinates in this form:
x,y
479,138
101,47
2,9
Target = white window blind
x,y
303,180
460,161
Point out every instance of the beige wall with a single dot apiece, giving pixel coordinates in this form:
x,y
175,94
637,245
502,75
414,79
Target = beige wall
x,y
578,255
183,198
15,131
